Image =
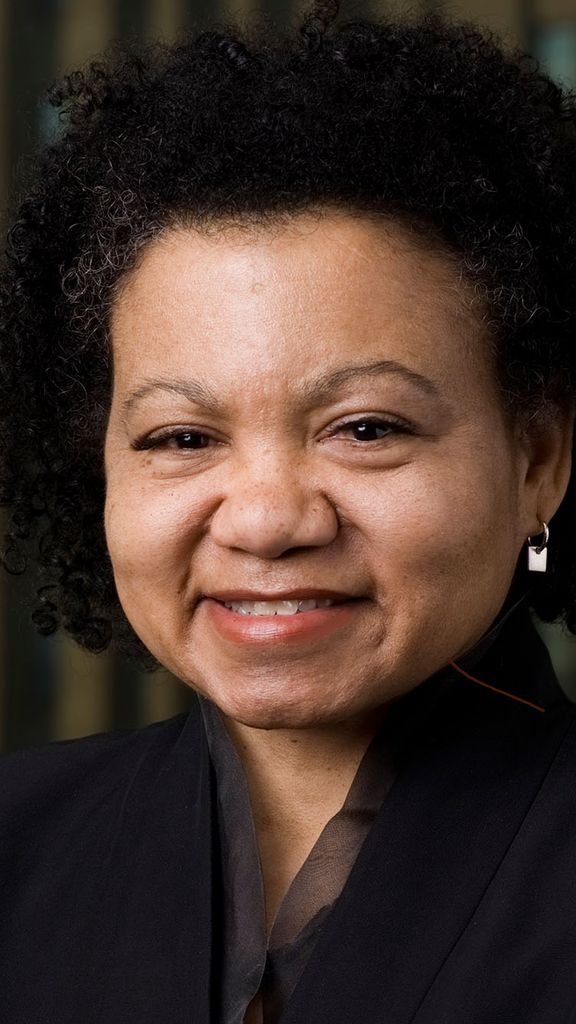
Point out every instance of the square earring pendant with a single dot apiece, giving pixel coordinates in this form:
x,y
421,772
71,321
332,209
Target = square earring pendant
x,y
537,559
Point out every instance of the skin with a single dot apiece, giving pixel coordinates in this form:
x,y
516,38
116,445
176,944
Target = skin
x,y
427,523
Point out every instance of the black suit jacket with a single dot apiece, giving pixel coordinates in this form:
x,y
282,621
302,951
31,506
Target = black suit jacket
x,y
461,908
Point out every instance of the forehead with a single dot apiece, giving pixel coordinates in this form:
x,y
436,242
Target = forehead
x,y
291,295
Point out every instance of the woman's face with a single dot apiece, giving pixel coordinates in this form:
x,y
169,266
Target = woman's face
x,y
309,410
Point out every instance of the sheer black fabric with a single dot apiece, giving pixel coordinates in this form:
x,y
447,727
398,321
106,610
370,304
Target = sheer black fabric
x,y
252,962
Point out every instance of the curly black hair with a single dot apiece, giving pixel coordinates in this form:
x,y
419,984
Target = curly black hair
x,y
415,118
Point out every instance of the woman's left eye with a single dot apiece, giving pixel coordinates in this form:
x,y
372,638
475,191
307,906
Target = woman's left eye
x,y
190,439
372,429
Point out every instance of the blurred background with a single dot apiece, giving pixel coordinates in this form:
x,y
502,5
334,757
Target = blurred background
x,y
49,688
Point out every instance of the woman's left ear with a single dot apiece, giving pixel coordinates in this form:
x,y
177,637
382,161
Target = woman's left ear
x,y
547,442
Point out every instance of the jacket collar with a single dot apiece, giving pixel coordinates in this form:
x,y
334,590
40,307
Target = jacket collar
x,y
469,772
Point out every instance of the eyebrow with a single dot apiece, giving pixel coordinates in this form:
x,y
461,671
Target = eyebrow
x,y
312,392
194,390
327,383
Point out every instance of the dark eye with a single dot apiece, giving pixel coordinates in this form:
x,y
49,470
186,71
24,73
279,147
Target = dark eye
x,y
372,429
183,440
190,439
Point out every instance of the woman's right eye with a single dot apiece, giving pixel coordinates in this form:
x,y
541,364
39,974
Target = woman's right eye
x,y
183,440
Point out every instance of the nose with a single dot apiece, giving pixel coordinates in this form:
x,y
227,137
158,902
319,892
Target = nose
x,y
270,509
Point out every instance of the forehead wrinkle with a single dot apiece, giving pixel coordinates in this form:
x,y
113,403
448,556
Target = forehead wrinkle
x,y
311,392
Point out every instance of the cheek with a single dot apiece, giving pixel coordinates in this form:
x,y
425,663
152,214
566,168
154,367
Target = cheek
x,y
150,531
433,527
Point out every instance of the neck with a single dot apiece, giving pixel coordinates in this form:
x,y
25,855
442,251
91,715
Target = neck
x,y
295,775
297,780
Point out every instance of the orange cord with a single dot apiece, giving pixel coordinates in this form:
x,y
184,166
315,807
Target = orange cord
x,y
512,696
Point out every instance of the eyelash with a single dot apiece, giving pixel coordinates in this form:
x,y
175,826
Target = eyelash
x,y
392,426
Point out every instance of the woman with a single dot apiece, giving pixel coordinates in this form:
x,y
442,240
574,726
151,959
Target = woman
x,y
288,401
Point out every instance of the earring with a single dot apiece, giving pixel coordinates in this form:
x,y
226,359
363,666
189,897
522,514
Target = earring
x,y
537,553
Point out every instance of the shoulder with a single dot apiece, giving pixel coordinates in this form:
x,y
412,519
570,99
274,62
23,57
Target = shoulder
x,y
36,782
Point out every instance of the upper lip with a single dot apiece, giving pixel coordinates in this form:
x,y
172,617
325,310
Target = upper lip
x,y
297,594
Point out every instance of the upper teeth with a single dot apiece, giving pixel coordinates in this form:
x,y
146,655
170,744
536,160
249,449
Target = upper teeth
x,y
275,607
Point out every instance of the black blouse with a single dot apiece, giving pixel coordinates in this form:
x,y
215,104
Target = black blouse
x,y
252,962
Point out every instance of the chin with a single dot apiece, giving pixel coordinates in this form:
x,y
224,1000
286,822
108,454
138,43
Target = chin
x,y
277,710
268,720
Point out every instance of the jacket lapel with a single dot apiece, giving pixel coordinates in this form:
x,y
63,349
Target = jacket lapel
x,y
468,775
152,951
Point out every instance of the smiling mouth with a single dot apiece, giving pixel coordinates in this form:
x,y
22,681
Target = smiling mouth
x,y
282,621
278,607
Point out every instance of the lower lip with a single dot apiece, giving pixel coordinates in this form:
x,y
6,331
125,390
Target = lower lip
x,y
290,629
